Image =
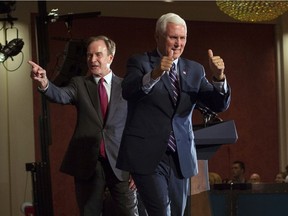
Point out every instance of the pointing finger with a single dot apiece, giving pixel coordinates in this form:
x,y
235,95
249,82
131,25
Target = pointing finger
x,y
33,64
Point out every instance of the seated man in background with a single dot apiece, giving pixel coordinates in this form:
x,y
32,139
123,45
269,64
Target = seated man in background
x,y
238,172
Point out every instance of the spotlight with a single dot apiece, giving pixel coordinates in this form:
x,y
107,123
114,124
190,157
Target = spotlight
x,y
11,49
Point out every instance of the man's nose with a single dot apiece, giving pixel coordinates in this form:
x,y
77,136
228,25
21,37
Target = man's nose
x,y
177,41
94,58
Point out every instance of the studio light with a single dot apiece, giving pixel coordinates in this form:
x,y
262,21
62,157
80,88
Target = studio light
x,y
11,49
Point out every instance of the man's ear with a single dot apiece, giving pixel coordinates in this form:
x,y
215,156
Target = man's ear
x,y
111,57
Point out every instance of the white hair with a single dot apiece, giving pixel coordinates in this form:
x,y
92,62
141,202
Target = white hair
x,y
168,18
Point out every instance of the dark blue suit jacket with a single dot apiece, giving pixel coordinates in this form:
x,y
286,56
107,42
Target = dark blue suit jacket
x,y
152,116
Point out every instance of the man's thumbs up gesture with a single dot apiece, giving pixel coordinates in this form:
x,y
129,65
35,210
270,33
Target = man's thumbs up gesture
x,y
217,66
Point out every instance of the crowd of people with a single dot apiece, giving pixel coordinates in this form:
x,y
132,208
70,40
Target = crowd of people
x,y
238,176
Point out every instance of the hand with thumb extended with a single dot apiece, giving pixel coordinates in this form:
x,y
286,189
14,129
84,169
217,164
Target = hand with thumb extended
x,y
171,54
217,65
165,65
210,53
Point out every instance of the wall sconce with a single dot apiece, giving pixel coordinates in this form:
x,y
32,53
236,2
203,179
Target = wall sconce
x,y
11,49
253,11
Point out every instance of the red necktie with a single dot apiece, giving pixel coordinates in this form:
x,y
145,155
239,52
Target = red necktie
x,y
104,104
103,97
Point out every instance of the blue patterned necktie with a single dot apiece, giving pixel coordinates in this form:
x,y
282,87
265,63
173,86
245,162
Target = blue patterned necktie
x,y
175,88
174,82
172,142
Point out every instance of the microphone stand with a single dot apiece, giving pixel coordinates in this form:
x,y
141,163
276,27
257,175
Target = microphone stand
x,y
208,115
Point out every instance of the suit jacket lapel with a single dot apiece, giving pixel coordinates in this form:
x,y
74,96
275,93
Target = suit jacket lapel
x,y
182,73
94,96
115,96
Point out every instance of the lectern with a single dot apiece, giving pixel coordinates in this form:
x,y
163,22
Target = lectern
x,y
208,139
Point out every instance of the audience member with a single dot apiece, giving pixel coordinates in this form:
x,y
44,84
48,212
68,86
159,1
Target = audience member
x,y
214,178
286,179
255,178
280,177
238,172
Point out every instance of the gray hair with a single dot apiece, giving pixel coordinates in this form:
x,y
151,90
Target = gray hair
x,y
168,18
110,44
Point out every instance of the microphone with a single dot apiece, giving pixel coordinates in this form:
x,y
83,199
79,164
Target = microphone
x,y
204,109
208,115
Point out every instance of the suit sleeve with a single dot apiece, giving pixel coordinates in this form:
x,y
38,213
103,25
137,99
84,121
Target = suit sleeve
x,y
133,80
61,95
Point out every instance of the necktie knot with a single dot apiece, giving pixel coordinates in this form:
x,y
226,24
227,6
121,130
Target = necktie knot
x,y
173,68
101,81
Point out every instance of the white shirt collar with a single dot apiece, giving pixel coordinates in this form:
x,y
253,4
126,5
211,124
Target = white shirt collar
x,y
107,78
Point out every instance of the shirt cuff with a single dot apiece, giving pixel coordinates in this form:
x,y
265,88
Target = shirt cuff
x,y
221,86
43,90
148,82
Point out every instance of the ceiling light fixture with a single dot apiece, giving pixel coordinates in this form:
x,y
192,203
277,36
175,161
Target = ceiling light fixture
x,y
253,11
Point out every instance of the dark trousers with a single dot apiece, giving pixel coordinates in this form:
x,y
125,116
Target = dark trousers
x,y
165,191
91,193
110,210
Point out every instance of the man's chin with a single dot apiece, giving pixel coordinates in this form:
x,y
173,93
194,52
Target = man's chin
x,y
95,73
175,56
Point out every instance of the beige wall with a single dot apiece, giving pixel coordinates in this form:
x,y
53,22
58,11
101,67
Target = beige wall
x,y
16,106
282,49
16,121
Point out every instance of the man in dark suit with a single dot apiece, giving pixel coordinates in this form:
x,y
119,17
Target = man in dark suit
x,y
92,166
157,145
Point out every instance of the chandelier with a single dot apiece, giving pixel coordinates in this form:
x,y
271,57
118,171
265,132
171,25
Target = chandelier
x,y
253,11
